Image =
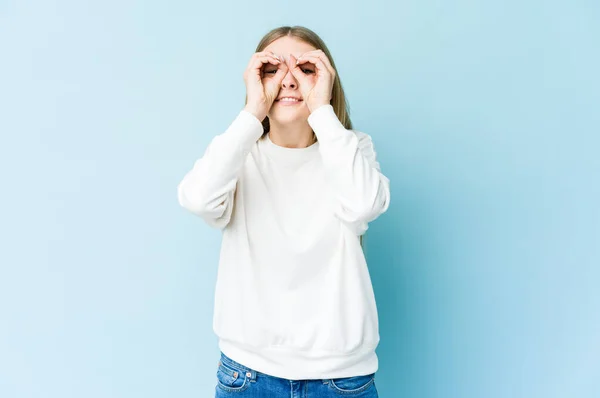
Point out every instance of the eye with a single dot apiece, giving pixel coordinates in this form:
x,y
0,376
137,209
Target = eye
x,y
272,72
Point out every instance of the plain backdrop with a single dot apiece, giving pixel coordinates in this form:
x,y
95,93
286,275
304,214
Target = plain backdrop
x,y
484,115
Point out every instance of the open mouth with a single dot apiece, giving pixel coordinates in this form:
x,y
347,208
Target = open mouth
x,y
288,101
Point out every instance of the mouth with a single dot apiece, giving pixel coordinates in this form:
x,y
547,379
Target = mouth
x,y
288,101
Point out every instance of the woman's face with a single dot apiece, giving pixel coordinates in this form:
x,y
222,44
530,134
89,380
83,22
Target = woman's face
x,y
285,112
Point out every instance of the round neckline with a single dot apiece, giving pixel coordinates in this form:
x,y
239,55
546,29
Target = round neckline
x,y
289,155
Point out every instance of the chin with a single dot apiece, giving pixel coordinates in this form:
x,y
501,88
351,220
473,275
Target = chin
x,y
288,117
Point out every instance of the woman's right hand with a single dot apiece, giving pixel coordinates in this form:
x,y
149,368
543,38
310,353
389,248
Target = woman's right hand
x,y
262,92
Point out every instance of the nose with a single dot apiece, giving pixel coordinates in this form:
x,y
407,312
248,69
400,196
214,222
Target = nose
x,y
289,81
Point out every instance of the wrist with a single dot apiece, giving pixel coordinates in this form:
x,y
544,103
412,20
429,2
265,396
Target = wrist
x,y
315,106
258,114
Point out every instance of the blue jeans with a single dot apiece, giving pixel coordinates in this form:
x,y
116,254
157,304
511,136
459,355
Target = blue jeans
x,y
237,380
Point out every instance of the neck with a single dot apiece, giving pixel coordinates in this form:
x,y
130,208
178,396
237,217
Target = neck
x,y
290,135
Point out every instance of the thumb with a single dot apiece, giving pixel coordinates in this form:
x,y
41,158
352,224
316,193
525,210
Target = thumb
x,y
295,69
274,84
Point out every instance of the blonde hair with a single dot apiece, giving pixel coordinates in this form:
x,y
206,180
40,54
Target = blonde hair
x,y
338,98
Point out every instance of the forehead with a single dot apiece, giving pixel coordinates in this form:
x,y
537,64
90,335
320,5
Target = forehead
x,y
286,45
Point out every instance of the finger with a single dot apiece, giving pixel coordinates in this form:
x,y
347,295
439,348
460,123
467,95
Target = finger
x,y
269,54
318,54
259,59
263,53
281,72
314,52
295,68
256,68
318,62
277,73
276,56
265,59
266,52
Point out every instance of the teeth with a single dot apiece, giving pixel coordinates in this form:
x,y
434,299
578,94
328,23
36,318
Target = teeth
x,y
289,99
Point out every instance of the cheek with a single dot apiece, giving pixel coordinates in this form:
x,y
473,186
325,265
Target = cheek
x,y
311,79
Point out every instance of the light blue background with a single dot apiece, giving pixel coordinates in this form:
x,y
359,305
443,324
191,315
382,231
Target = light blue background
x,y
485,118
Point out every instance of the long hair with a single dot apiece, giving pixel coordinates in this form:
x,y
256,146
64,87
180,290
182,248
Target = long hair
x,y
338,98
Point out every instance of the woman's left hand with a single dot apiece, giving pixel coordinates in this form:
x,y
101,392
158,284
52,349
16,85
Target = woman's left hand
x,y
320,92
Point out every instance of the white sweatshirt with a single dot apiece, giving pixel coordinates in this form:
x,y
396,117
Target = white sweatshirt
x,y
293,295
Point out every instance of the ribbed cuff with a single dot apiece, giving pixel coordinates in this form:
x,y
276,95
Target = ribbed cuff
x,y
246,127
248,119
326,124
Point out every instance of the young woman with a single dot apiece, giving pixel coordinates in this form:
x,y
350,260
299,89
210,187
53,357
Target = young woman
x,y
292,187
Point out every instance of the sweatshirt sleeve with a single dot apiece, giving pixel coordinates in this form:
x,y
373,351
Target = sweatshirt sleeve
x,y
349,157
208,189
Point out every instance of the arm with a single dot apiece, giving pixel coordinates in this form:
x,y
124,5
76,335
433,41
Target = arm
x,y
349,156
207,190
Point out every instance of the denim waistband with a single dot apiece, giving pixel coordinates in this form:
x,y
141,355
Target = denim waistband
x,y
250,373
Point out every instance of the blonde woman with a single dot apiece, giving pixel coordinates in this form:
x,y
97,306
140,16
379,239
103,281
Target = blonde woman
x,y
292,187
